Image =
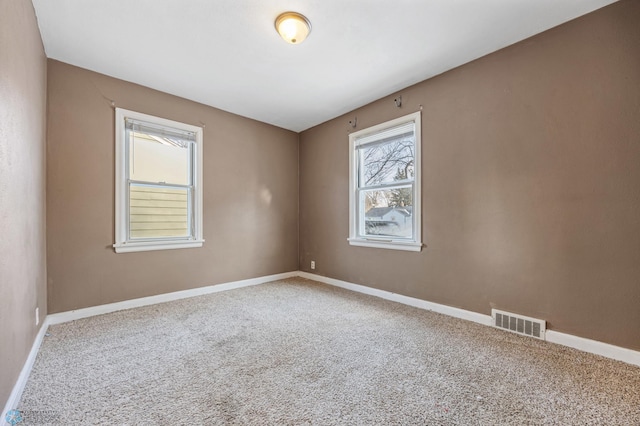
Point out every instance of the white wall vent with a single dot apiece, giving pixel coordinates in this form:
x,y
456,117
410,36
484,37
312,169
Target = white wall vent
x,y
519,324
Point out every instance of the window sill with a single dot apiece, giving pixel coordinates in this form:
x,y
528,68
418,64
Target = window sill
x,y
156,245
384,244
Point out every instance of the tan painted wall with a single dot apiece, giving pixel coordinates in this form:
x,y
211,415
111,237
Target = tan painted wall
x,y
531,183
22,187
250,196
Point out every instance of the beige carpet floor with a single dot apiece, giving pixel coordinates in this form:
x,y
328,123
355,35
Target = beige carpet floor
x,y
297,352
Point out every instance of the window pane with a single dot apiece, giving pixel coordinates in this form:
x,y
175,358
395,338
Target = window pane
x,y
387,212
156,212
158,160
387,162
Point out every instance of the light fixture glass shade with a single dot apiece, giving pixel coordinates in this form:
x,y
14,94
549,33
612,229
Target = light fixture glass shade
x,y
293,27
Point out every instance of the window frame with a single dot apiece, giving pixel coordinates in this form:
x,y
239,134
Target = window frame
x,y
123,244
356,217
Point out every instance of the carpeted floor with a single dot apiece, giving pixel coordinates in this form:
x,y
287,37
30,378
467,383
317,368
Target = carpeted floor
x,y
298,352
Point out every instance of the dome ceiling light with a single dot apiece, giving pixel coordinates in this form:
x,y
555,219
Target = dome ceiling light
x,y
293,27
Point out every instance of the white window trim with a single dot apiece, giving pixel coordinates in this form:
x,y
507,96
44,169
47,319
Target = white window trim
x,y
121,244
354,239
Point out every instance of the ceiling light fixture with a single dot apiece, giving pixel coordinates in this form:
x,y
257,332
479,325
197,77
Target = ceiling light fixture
x,y
293,27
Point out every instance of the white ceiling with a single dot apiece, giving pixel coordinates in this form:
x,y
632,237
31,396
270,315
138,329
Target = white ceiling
x,y
227,54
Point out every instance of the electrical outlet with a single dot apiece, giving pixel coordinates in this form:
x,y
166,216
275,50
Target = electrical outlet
x,y
37,316
313,264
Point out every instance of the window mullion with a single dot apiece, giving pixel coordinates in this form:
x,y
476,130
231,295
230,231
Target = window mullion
x,y
390,185
159,184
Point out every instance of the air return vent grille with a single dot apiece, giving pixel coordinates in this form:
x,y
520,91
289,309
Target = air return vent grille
x,y
519,324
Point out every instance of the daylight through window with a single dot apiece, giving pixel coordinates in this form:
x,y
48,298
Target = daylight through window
x,y
385,178
158,183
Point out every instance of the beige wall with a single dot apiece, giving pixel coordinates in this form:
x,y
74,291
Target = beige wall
x,y
531,183
22,187
250,196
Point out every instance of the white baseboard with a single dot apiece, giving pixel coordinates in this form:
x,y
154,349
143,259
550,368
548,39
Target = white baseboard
x,y
593,346
18,388
586,345
405,300
161,298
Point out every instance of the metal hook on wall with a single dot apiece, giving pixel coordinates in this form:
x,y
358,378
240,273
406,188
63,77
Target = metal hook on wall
x,y
353,123
398,101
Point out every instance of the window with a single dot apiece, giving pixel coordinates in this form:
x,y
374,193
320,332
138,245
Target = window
x,y
158,183
384,197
